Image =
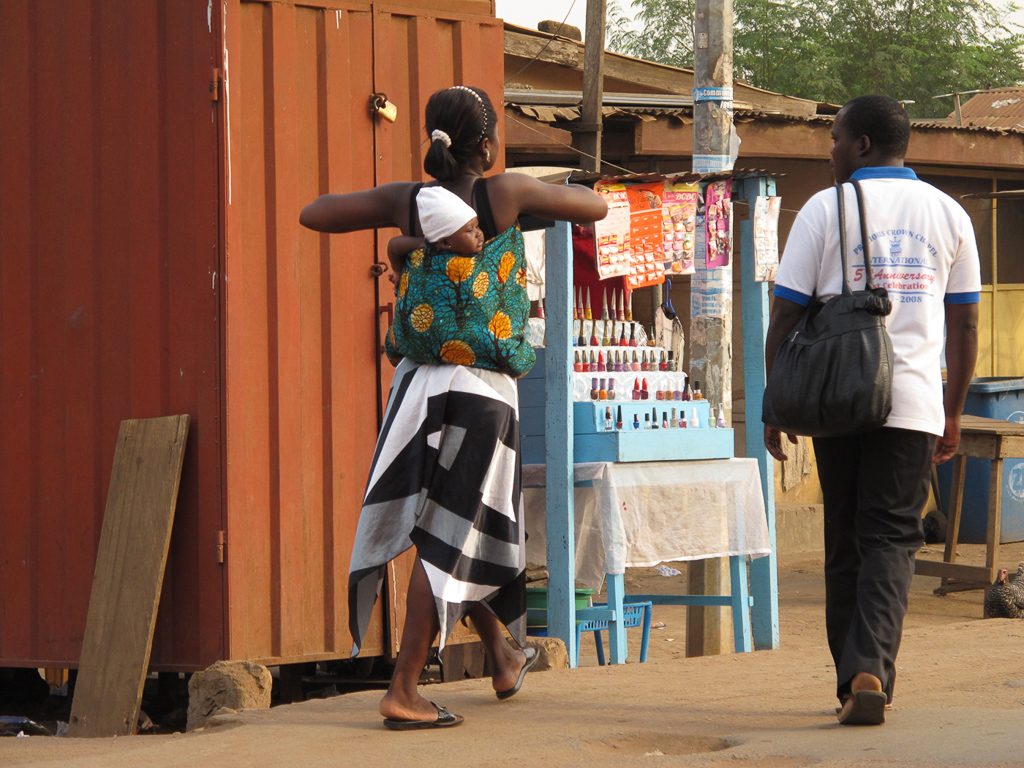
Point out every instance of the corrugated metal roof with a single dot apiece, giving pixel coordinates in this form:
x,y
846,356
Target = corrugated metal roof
x,y
1001,108
556,114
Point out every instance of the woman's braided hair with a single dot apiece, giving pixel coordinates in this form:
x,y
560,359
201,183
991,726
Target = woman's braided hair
x,y
457,119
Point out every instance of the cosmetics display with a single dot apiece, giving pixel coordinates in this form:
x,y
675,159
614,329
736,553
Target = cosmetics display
x,y
631,400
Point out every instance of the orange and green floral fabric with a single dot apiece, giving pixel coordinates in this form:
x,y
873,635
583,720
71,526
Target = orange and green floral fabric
x,y
464,309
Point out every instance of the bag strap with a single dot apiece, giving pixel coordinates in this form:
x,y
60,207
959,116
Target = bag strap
x,y
842,240
868,282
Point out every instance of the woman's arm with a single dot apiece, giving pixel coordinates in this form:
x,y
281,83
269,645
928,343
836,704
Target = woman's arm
x,y
575,203
372,208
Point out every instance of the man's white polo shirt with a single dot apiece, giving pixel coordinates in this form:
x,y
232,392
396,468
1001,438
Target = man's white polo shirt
x,y
922,251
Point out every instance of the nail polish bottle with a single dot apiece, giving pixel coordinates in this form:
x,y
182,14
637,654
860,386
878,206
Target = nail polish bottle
x,y
694,419
595,393
682,418
654,418
647,421
600,360
611,389
663,363
609,425
644,394
635,365
576,364
636,421
721,416
602,392
618,418
636,390
664,420
675,419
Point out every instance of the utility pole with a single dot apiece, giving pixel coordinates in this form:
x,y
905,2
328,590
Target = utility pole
x,y
711,337
712,86
589,138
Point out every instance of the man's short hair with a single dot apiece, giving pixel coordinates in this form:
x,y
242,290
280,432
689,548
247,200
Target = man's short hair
x,y
881,119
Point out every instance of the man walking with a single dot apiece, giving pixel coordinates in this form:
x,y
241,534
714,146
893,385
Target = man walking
x,y
924,253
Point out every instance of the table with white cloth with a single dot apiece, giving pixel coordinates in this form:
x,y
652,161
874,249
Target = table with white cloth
x,y
642,514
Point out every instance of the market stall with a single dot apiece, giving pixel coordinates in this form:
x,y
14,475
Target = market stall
x,y
575,409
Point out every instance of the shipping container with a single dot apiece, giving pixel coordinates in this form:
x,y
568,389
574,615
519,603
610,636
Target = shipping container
x,y
156,156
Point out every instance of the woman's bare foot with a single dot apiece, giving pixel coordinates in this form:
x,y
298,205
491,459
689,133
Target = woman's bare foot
x,y
405,708
507,668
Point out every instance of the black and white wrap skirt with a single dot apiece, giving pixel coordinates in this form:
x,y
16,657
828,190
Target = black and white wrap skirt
x,y
446,479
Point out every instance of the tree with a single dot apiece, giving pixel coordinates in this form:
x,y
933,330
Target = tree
x,y
662,31
833,50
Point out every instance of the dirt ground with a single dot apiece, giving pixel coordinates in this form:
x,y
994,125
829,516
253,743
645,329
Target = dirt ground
x,y
959,702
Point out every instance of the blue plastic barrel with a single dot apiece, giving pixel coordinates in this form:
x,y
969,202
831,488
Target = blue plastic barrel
x,y
995,398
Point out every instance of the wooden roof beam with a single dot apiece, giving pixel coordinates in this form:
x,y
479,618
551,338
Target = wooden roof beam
x,y
525,46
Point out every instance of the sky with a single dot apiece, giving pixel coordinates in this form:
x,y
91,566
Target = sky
x,y
526,13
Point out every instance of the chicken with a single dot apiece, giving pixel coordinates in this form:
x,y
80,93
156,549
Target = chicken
x,y
1005,598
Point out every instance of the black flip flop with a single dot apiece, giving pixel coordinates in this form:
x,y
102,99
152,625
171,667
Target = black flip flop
x,y
444,719
864,708
532,657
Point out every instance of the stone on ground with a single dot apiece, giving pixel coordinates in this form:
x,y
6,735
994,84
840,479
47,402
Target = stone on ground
x,y
227,685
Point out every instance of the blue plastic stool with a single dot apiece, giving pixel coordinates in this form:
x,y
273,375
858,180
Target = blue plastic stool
x,y
633,615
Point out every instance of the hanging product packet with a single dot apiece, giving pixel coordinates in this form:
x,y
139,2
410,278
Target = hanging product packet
x,y
679,206
718,223
646,235
766,238
611,235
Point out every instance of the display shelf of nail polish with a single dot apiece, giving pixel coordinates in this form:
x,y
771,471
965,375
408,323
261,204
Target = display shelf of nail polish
x,y
647,430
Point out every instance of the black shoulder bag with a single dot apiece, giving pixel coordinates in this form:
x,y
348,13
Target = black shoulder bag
x,y
832,374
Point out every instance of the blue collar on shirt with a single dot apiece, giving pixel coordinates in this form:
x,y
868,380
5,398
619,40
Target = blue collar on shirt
x,y
883,172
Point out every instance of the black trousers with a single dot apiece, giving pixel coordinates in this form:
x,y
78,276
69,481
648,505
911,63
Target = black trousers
x,y
874,485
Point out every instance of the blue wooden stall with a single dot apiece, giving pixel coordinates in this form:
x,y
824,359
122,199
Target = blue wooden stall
x,y
762,630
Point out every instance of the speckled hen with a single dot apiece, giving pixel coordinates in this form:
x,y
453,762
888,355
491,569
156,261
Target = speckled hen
x,y
1005,598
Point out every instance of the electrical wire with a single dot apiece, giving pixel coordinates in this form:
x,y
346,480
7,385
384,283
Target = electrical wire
x,y
541,51
567,145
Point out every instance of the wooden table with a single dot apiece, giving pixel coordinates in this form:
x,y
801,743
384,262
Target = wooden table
x,y
981,438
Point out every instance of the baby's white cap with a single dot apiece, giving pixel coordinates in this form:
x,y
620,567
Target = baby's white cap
x,y
442,213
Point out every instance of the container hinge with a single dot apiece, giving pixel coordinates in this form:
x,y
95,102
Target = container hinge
x,y
222,542
215,82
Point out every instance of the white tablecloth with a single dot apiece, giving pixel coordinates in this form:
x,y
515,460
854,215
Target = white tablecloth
x,y
642,514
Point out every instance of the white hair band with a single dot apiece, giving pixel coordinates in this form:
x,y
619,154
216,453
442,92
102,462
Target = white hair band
x,y
438,135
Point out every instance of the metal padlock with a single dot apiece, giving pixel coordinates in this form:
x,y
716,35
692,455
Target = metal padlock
x,y
379,103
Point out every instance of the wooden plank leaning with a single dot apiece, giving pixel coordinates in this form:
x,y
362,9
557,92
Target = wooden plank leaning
x,y
129,575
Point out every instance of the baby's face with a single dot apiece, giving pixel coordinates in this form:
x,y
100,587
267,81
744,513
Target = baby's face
x,y
469,239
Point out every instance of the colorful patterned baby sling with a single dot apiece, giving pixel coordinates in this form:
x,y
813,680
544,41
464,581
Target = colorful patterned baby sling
x,y
464,309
